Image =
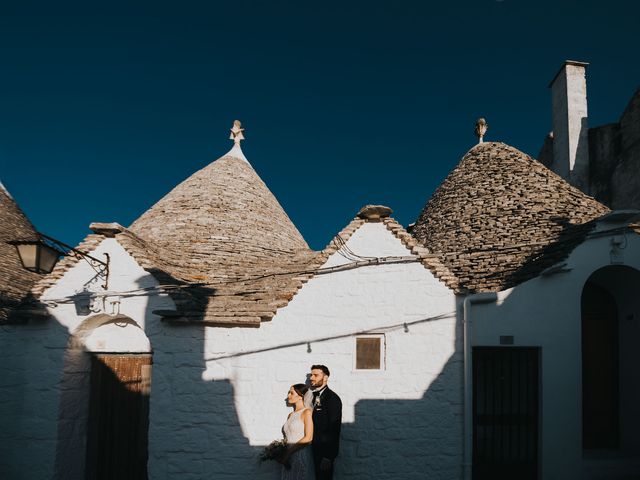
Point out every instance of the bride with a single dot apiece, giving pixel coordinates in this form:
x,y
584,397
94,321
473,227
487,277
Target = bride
x,y
298,433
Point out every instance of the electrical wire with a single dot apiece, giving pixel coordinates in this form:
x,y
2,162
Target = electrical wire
x,y
356,261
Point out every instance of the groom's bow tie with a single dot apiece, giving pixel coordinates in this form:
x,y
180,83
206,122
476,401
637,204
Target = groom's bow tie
x,y
316,396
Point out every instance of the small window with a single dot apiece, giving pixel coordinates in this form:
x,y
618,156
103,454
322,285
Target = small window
x,y
370,352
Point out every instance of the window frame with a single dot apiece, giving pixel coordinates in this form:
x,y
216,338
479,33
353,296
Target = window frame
x,y
383,353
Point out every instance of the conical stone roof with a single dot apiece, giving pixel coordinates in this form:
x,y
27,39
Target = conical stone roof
x,y
501,217
15,281
223,227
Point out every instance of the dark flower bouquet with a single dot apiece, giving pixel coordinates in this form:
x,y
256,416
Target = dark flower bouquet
x,y
274,451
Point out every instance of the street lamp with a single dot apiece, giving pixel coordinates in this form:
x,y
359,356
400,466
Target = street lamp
x,y
40,255
36,255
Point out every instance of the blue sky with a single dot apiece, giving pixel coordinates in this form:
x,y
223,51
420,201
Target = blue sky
x,y
106,107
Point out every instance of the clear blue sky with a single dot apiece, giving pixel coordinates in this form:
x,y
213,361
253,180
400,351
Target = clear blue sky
x,y
104,107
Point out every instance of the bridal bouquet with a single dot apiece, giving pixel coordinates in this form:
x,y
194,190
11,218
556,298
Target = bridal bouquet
x,y
274,451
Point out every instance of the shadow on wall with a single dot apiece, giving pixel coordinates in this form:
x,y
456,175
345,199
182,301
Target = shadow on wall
x,y
580,173
195,431
556,327
408,439
32,356
611,395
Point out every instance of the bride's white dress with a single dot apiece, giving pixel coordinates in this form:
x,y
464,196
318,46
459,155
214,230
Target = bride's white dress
x,y
302,460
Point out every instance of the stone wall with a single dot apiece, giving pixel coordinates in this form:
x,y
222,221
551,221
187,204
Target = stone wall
x,y
626,178
545,156
604,149
614,159
569,118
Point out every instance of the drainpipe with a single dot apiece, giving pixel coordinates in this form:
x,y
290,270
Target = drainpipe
x,y
468,370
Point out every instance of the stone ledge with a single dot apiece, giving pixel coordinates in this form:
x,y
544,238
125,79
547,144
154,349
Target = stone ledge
x,y
107,229
374,212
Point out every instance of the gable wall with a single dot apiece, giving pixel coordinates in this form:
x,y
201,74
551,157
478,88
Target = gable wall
x,y
224,397
44,382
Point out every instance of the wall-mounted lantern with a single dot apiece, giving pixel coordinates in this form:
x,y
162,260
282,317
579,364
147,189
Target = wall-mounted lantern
x,y
36,255
41,254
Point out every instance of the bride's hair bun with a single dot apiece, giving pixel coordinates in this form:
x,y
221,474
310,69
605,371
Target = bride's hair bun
x,y
300,388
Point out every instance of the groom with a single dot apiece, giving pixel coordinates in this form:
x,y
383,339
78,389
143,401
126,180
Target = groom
x,y
327,419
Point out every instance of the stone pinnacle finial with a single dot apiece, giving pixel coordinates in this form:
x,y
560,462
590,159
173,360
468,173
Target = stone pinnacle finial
x,y
237,132
481,129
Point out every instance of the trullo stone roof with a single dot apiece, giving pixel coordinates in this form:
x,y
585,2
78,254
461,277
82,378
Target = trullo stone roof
x,y
15,281
224,228
501,217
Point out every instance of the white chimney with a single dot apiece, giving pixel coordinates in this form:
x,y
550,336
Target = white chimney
x,y
570,130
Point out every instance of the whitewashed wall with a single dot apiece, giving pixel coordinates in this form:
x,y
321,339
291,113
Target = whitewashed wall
x,y
44,383
545,312
218,393
31,359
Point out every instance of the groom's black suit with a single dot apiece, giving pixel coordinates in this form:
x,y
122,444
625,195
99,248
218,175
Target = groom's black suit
x,y
327,420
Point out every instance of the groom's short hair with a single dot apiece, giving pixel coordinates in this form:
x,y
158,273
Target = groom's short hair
x,y
324,369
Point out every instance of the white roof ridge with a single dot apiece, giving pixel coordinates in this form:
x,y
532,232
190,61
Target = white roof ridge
x,y
236,152
5,190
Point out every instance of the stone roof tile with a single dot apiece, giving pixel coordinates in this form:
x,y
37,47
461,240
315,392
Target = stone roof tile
x,y
15,281
501,218
223,227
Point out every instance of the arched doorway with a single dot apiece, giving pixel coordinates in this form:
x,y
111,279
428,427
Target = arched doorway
x,y
610,331
119,386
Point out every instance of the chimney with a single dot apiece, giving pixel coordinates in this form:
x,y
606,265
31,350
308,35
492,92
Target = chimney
x,y
570,130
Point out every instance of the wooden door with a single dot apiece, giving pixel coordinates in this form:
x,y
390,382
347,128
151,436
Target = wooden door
x,y
600,370
118,417
505,413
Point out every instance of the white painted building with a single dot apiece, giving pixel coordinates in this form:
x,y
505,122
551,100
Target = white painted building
x,y
216,288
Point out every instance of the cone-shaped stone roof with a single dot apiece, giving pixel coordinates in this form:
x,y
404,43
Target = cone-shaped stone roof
x,y
224,228
224,212
15,281
501,218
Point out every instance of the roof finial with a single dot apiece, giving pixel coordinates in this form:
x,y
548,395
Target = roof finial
x,y
481,129
237,132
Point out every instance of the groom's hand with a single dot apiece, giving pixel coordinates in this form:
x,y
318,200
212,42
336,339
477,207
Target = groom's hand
x,y
325,464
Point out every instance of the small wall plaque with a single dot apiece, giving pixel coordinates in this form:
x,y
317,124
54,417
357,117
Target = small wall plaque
x,y
506,339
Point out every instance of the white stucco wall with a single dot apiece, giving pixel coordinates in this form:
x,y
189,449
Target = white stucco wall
x,y
45,374
545,312
125,276
570,128
218,393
